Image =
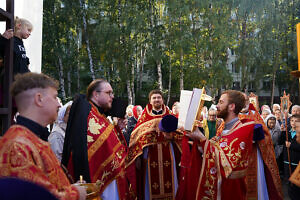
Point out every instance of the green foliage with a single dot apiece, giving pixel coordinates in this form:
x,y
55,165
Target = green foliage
x,y
191,36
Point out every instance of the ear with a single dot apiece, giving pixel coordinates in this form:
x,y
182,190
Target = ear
x,y
38,99
95,93
231,107
19,26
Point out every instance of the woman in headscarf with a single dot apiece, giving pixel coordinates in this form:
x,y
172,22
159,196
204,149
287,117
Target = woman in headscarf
x,y
57,136
136,111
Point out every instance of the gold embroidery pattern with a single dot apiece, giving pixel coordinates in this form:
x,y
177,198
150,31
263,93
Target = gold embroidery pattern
x,y
25,156
154,164
224,161
155,185
105,163
101,139
94,127
233,154
167,163
100,183
90,139
149,126
168,184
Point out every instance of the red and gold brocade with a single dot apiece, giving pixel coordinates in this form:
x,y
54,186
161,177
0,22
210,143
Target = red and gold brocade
x,y
225,162
24,155
145,132
160,158
106,153
268,155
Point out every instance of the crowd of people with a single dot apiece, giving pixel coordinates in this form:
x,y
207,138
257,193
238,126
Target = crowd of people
x,y
144,155
235,151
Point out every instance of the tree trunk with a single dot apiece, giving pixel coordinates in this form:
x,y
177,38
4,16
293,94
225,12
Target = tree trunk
x,y
273,87
170,77
158,64
181,59
244,64
132,85
61,78
128,85
69,83
143,52
87,39
78,63
78,75
129,91
181,70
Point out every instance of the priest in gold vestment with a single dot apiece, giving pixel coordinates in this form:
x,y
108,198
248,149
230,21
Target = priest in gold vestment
x,y
24,150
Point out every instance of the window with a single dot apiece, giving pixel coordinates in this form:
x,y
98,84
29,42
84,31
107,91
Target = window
x,y
235,69
266,85
236,85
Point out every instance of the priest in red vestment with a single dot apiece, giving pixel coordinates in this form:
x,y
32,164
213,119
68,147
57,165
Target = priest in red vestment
x,y
219,165
24,150
94,147
154,154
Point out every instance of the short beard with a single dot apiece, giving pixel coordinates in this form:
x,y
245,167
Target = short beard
x,y
157,107
223,113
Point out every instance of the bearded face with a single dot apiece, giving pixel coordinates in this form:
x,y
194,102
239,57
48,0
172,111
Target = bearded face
x,y
156,101
222,112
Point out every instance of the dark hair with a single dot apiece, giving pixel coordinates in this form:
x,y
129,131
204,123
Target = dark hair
x,y
237,98
93,86
156,91
31,80
272,118
296,116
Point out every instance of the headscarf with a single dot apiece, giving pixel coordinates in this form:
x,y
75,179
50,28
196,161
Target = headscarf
x,y
62,112
134,111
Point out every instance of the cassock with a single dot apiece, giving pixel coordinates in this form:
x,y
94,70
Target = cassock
x,y
95,149
23,154
156,178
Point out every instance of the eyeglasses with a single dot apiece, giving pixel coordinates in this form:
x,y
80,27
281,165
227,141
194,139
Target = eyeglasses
x,y
110,93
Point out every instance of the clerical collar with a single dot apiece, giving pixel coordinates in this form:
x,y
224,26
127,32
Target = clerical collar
x,y
37,129
229,125
155,112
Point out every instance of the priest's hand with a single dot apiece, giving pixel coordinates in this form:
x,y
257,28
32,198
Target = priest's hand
x,y
122,123
196,135
199,123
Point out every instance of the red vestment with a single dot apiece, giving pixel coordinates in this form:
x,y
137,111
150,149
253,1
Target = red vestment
x,y
268,156
24,155
219,173
225,162
107,151
160,158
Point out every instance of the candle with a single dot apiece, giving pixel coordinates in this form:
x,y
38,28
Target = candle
x,y
298,44
80,179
